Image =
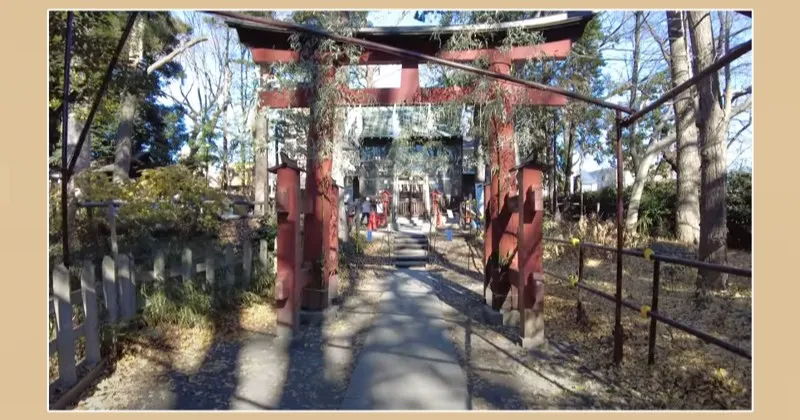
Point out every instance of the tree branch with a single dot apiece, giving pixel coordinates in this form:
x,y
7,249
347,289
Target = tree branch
x,y
167,58
746,91
744,128
660,41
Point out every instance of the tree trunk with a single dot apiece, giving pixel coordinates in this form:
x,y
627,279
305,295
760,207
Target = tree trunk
x,y
124,140
687,226
655,147
260,141
712,128
641,177
224,176
82,163
640,164
569,144
554,181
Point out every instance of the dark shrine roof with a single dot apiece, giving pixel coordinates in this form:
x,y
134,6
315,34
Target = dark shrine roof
x,y
567,25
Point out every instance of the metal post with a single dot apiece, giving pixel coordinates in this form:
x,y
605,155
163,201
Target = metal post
x,y
64,134
553,182
618,295
651,355
579,316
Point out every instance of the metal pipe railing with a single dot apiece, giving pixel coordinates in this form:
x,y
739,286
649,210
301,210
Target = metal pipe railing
x,y
736,271
652,311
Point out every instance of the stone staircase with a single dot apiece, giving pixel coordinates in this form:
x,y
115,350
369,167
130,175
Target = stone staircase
x,y
410,244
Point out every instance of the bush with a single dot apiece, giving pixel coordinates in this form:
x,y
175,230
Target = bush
x,y
740,207
657,208
168,201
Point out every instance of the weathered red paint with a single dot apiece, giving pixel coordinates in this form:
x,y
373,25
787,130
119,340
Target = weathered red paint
x,y
488,265
555,50
289,279
318,229
333,247
531,270
504,219
322,207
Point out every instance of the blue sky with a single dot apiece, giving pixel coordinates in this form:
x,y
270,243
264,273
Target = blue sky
x,y
389,76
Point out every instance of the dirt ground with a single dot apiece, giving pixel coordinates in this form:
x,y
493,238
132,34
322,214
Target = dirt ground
x,y
238,364
574,370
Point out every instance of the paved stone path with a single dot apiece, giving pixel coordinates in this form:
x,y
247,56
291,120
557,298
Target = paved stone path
x,y
408,362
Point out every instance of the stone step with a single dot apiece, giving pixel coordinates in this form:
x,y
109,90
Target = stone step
x,y
410,242
410,238
420,256
411,263
410,253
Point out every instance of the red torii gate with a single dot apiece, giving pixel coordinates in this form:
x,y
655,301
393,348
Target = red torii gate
x,y
270,45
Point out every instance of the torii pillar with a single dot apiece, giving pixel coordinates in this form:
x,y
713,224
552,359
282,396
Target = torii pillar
x,y
321,213
502,218
289,279
531,270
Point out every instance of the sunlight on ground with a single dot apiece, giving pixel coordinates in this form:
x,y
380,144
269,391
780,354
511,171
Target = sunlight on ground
x,y
688,373
591,262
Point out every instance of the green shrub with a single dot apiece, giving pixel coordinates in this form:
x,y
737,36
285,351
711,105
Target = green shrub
x,y
195,213
740,207
179,303
657,208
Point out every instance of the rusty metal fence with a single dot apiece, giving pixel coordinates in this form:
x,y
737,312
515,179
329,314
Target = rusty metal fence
x,y
651,310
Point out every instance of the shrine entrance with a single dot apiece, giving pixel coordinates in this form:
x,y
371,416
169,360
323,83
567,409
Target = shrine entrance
x,y
513,287
411,201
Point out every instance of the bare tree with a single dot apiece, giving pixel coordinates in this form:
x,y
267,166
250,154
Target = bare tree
x,y
260,129
687,226
712,121
207,97
673,135
135,54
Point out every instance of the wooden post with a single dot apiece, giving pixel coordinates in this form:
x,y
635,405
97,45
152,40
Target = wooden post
x,y
230,269
134,285
289,281
530,285
65,339
110,288
332,251
112,226
90,322
504,221
160,265
187,261
124,275
263,254
211,266
247,262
